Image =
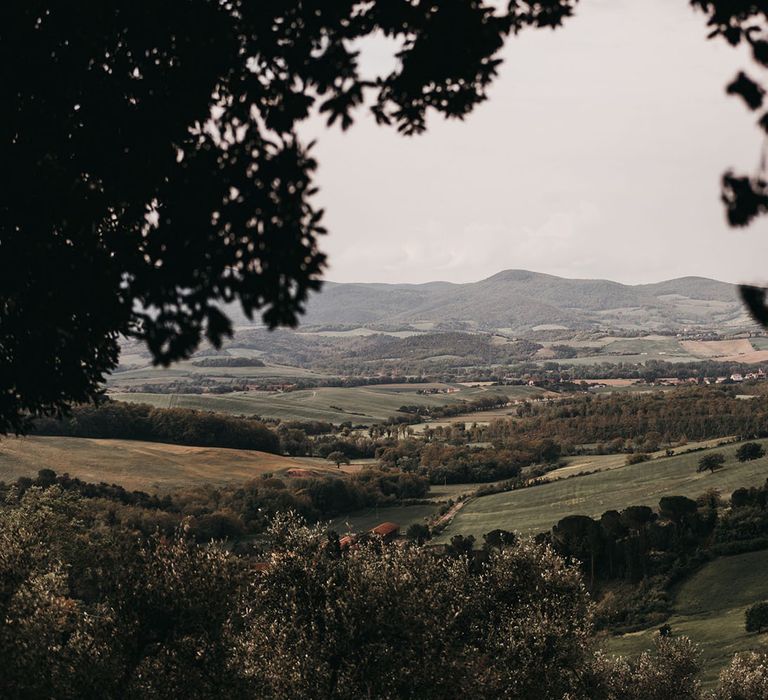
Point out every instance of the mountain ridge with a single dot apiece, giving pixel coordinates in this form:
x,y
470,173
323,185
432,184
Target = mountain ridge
x,y
518,300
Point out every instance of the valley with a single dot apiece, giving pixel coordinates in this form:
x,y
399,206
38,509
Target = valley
x,y
452,424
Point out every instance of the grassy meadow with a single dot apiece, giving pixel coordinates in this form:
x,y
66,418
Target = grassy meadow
x,y
536,509
709,608
145,466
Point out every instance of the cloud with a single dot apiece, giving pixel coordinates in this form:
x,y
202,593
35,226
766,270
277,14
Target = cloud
x,y
438,250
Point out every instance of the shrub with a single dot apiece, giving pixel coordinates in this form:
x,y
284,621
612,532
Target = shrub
x,y
756,617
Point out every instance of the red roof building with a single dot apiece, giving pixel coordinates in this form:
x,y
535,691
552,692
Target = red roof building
x,y
387,531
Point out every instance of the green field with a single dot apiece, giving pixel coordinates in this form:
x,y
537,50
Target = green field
x,y
146,466
709,608
591,463
404,516
536,509
662,345
363,404
363,520
632,359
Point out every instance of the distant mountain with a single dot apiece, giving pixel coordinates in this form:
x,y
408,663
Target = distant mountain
x,y
519,300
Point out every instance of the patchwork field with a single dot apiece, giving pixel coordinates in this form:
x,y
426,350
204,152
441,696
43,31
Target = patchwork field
x,y
364,404
187,370
657,344
709,608
146,466
536,509
717,348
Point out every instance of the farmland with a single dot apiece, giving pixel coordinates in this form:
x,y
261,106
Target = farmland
x,y
709,608
360,405
147,466
188,370
537,508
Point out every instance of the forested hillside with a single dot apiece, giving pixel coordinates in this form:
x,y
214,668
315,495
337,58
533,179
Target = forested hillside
x,y
520,300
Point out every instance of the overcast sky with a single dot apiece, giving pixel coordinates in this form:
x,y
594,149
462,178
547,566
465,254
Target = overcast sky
x,y
599,154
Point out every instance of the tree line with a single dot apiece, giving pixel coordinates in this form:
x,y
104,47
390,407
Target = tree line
x,y
232,512
181,426
687,413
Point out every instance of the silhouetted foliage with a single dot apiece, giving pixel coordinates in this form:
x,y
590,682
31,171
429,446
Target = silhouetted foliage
x,y
745,196
157,173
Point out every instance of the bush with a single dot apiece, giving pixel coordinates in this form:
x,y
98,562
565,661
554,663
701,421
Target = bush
x,y
637,458
756,617
418,533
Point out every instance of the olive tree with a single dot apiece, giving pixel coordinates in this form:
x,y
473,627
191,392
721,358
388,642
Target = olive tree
x,y
745,678
390,622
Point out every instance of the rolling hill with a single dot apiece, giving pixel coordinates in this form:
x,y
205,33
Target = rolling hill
x,y
149,466
520,300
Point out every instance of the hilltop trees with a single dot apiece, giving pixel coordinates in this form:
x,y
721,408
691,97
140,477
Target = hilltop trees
x,y
82,608
678,509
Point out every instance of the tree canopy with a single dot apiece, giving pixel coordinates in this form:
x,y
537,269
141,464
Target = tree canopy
x,y
156,173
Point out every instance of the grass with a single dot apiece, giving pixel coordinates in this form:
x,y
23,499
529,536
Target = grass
x,y
368,518
438,492
536,509
146,466
360,405
362,520
709,608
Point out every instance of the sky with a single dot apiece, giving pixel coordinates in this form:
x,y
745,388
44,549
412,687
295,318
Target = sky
x,y
598,154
